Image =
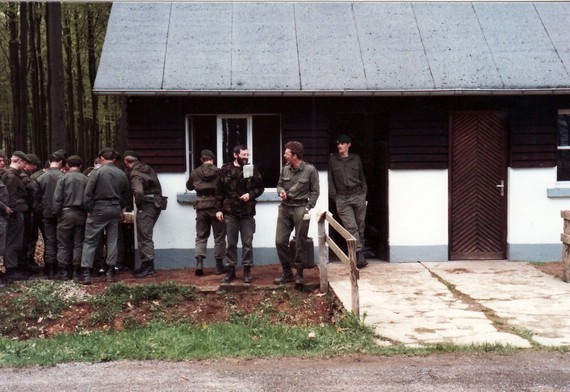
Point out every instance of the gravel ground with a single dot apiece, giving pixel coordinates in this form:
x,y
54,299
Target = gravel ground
x,y
524,371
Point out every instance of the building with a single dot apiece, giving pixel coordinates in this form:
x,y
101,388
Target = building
x,y
459,110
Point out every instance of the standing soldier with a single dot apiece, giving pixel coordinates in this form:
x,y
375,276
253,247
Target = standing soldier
x,y
241,184
44,197
205,180
68,207
30,237
148,196
106,194
347,187
298,188
17,203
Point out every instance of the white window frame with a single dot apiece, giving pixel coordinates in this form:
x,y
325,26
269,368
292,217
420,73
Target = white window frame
x,y
219,134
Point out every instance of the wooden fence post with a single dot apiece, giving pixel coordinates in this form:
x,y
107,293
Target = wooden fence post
x,y
565,238
323,253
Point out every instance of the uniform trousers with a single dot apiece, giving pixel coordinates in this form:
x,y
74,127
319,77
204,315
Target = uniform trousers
x,y
14,239
351,210
50,240
146,218
243,228
70,235
290,218
206,221
104,217
3,226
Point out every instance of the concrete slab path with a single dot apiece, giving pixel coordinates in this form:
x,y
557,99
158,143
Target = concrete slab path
x,y
471,302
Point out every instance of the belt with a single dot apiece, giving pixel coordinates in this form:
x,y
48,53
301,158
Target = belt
x,y
295,202
350,190
73,208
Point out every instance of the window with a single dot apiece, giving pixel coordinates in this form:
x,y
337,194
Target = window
x,y
563,153
260,133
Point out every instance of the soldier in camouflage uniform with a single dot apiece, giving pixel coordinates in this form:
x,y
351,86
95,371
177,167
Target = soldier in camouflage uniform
x,y
204,180
147,191
241,184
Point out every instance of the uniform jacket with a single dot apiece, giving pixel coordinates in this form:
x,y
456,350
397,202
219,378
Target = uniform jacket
x,y
45,190
233,185
107,183
144,181
204,180
301,185
16,189
4,198
345,175
69,191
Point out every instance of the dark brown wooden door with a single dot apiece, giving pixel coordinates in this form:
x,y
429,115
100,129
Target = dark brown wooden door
x,y
478,179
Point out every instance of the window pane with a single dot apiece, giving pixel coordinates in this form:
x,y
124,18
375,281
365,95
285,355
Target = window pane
x,y
563,167
267,148
563,137
234,131
203,137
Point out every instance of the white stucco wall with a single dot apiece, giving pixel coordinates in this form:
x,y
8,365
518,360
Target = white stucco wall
x,y
418,207
175,228
534,218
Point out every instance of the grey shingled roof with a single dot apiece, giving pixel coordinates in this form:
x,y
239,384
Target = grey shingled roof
x,y
336,48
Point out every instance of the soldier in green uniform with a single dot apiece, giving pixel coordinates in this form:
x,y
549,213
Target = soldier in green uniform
x,y
204,179
241,184
298,188
147,192
347,187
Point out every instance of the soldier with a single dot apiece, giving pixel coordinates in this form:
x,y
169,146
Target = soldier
x,y
148,195
298,188
17,203
106,194
70,211
241,184
44,197
347,187
30,227
205,180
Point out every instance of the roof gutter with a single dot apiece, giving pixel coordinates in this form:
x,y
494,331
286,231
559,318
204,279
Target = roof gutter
x,y
334,93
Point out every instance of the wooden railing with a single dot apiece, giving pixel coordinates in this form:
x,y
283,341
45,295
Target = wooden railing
x,y
565,238
349,260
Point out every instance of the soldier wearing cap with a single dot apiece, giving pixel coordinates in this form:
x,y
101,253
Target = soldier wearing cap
x,y
44,198
204,179
30,229
106,194
348,189
70,211
147,192
17,206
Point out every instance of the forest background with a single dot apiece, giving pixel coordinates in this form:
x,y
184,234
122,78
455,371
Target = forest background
x,y
49,53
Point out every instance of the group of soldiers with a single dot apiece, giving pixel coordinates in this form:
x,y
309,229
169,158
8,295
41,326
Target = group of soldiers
x,y
226,199
77,211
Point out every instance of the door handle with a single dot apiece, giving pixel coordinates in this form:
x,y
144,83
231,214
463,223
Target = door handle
x,y
501,186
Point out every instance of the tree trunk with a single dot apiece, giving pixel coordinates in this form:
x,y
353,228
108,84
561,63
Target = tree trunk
x,y
92,61
15,68
36,122
22,133
56,80
80,93
69,141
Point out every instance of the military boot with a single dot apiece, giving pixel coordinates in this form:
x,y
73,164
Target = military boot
x,y
299,280
147,269
286,276
2,281
86,276
230,275
65,273
199,266
220,269
111,274
247,274
77,274
361,262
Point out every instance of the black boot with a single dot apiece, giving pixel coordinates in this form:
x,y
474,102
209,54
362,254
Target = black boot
x,y
50,271
220,269
247,274
2,281
299,280
286,276
199,266
12,275
111,274
76,274
86,276
361,262
65,273
147,269
231,275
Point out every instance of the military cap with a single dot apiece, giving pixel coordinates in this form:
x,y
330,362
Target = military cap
x,y
131,153
344,139
21,155
207,153
107,150
61,153
33,159
74,160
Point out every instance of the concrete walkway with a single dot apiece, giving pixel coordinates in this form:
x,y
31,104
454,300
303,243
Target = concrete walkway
x,y
471,302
